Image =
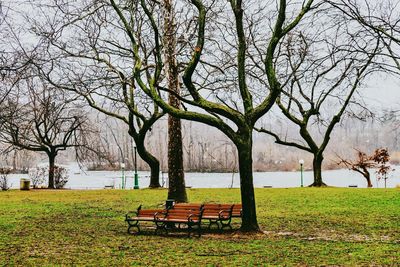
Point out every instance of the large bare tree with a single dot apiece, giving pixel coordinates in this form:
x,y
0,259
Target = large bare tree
x,y
323,68
37,117
90,56
222,31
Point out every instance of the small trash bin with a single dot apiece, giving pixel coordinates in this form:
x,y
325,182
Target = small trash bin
x,y
169,203
25,184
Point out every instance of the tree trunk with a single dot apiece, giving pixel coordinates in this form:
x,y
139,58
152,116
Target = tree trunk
x,y
368,178
14,163
52,163
249,216
317,170
176,176
177,189
152,161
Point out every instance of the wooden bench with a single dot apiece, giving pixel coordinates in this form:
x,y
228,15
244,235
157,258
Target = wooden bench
x,y
218,214
141,215
187,214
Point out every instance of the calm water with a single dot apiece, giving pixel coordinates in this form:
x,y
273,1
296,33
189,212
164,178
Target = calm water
x,y
99,179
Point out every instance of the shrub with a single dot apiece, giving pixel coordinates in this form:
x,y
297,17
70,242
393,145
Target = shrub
x,y
38,176
60,177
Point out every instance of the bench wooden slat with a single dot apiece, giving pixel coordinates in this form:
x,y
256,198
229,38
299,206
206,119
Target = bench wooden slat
x,y
185,206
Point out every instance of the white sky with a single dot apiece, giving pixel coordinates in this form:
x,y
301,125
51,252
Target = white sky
x,y
383,92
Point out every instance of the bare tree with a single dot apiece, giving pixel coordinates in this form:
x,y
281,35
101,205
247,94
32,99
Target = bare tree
x,y
97,64
379,19
236,120
360,165
39,118
101,154
363,163
323,69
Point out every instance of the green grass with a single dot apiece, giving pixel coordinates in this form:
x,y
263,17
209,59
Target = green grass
x,y
307,226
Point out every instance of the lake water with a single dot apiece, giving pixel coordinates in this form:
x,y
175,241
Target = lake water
x,y
99,179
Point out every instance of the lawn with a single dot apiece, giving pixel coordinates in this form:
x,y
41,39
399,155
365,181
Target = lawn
x,y
303,226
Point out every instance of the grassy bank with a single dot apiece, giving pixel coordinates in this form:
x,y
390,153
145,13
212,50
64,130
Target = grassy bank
x,y
307,226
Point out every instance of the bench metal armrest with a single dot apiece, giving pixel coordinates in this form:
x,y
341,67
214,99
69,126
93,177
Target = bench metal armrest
x,y
160,215
136,213
192,216
228,214
131,214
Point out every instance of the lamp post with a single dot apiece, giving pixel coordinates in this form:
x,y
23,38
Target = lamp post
x,y
301,162
122,164
136,186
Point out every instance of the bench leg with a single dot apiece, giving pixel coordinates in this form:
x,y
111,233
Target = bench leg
x,y
133,225
191,229
161,226
171,225
213,222
199,230
226,225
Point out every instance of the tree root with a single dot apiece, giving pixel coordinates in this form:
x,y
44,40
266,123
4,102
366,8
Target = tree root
x,y
322,184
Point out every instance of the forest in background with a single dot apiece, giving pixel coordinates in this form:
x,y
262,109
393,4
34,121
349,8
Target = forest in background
x,y
208,150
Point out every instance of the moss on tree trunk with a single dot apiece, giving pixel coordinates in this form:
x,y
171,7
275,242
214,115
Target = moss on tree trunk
x,y
249,216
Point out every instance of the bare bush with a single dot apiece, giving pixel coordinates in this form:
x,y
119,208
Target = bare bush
x,y
38,176
60,177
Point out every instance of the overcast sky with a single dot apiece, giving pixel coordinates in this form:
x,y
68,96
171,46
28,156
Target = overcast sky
x,y
383,92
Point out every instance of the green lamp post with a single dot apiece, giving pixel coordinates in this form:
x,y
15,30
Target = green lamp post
x,y
136,186
301,162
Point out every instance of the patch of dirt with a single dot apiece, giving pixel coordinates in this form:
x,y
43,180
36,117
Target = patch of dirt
x,y
333,236
320,236
234,235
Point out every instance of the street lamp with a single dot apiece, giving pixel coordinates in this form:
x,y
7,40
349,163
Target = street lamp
x,y
136,186
122,164
301,162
